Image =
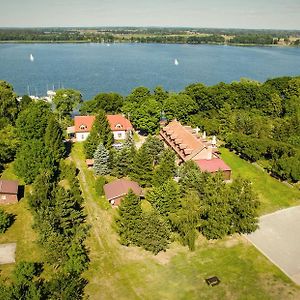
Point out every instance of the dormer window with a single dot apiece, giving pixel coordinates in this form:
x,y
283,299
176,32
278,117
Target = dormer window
x,y
119,126
82,127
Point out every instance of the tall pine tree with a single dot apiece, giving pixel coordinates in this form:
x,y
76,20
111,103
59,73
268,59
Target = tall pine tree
x,y
101,160
54,139
165,198
129,219
142,167
166,168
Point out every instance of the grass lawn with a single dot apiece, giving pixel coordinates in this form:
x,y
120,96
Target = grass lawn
x,y
20,232
273,194
118,272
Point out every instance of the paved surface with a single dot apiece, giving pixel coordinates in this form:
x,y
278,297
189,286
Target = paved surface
x,y
278,238
7,253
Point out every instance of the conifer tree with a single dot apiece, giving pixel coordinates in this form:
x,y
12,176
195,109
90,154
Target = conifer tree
x,y
166,168
243,207
155,233
54,139
215,215
101,160
123,159
165,198
128,220
100,133
142,167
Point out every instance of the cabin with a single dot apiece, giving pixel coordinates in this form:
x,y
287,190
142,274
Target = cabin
x,y
119,125
8,191
116,190
188,144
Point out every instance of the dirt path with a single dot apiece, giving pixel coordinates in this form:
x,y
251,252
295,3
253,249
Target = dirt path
x,y
104,249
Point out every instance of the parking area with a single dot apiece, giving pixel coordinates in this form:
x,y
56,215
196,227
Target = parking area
x,y
7,253
278,238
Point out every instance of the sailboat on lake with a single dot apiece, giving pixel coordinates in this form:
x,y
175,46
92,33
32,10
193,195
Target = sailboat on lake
x,y
176,63
31,57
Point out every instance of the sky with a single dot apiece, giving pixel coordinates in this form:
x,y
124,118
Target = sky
x,y
257,14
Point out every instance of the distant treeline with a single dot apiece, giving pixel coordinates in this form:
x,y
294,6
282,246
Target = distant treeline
x,y
150,35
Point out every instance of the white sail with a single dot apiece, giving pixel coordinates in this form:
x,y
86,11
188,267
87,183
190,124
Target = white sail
x,y
31,57
176,63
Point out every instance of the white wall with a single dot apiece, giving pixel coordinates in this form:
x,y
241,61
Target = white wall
x,y
119,135
81,136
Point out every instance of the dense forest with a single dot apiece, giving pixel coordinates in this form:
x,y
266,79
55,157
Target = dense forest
x,y
152,35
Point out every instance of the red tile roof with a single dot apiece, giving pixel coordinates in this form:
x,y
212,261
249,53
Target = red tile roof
x,y
119,123
116,122
212,165
83,123
121,187
182,139
8,186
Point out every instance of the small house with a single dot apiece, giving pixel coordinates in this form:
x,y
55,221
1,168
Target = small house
x,y
116,190
8,191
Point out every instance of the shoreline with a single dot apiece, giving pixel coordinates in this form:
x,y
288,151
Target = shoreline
x,y
128,42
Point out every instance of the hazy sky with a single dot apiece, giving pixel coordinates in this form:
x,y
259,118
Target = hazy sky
x,y
277,14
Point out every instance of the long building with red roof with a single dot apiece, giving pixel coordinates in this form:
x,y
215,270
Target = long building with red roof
x,y
188,145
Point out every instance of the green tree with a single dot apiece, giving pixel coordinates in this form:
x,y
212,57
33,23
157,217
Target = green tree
x,y
180,107
128,220
185,220
215,216
243,204
109,102
123,160
154,147
155,233
54,139
31,159
101,159
65,101
99,184
100,133
32,122
9,143
5,220
8,102
147,116
142,167
165,198
166,168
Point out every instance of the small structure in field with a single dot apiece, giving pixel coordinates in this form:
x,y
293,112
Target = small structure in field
x,y
89,162
8,191
116,190
212,281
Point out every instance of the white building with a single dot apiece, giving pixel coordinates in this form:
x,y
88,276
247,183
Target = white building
x,y
119,125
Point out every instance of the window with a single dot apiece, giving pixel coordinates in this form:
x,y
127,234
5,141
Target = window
x,y
119,135
82,136
82,127
119,126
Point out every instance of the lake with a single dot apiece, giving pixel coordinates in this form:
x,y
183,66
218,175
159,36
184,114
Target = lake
x,y
95,68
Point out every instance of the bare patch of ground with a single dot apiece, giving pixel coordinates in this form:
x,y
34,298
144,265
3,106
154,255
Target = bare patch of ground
x,y
7,253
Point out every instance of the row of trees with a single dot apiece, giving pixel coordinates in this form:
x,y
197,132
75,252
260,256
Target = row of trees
x,y
200,202
32,134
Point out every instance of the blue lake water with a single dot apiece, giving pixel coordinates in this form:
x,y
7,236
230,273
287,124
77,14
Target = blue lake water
x,y
95,68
